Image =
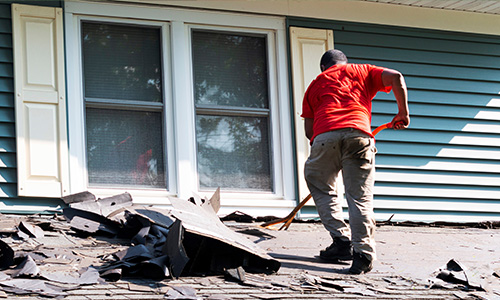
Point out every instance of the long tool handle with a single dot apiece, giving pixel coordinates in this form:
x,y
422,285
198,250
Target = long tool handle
x,y
381,127
288,219
290,216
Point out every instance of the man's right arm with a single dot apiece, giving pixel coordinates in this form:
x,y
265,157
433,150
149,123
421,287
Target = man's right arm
x,y
396,80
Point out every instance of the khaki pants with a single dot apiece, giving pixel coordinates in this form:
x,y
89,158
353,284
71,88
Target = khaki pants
x,y
353,152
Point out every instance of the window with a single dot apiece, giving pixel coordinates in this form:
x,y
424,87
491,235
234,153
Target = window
x,y
164,102
123,94
231,96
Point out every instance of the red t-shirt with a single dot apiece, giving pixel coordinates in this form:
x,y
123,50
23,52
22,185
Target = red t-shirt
x,y
341,97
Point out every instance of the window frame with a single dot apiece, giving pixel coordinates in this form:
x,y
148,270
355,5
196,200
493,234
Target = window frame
x,y
179,116
246,112
82,181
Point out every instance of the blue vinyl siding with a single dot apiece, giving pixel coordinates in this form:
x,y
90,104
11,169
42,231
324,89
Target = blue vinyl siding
x,y
446,166
8,177
9,201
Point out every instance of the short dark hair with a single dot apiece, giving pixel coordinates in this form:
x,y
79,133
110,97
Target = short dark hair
x,y
332,57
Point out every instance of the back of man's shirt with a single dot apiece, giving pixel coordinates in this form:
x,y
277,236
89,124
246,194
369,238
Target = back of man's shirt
x,y
341,97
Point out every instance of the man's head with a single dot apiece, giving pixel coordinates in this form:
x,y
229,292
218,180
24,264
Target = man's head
x,y
332,57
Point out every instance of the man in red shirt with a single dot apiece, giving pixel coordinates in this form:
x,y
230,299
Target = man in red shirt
x,y
337,113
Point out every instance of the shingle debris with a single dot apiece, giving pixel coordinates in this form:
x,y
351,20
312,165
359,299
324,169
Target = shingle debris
x,y
147,242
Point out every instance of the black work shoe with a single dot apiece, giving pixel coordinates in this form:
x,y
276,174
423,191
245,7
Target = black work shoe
x,y
338,250
360,264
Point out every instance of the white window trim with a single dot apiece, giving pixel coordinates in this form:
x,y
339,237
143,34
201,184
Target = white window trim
x,y
181,164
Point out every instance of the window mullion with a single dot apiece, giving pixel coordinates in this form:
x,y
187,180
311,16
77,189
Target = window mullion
x,y
184,128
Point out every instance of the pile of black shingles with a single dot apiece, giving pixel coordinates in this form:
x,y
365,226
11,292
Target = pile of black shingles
x,y
186,240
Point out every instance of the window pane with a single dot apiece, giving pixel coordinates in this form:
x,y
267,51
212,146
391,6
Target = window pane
x,y
125,148
230,69
122,62
233,153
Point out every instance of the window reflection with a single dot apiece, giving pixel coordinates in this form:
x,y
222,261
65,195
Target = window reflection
x,y
122,62
233,152
232,108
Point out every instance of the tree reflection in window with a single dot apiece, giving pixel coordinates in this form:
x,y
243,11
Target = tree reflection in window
x,y
121,62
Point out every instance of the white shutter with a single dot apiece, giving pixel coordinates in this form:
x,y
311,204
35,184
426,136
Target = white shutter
x,y
307,47
42,147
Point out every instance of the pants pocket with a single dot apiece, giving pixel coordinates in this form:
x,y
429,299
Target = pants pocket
x,y
362,148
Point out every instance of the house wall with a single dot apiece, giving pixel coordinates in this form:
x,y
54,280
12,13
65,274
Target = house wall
x,y
445,166
9,201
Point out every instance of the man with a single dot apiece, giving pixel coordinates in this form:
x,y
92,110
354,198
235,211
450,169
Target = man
x,y
337,112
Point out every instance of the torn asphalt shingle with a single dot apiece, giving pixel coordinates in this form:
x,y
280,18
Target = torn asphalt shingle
x,y
31,230
454,273
175,251
27,268
6,255
105,206
202,221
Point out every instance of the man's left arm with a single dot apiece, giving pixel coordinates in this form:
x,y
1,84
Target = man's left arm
x,y
396,80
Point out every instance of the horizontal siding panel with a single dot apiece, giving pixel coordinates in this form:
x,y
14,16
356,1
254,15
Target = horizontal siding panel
x,y
8,160
8,176
406,176
367,53
7,115
439,137
6,55
6,70
6,100
456,72
445,97
5,40
434,164
440,124
439,205
405,31
7,130
444,192
7,145
438,110
5,25
5,12
8,190
6,84
416,43
456,85
437,151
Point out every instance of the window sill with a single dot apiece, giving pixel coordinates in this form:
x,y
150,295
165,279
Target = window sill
x,y
255,204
